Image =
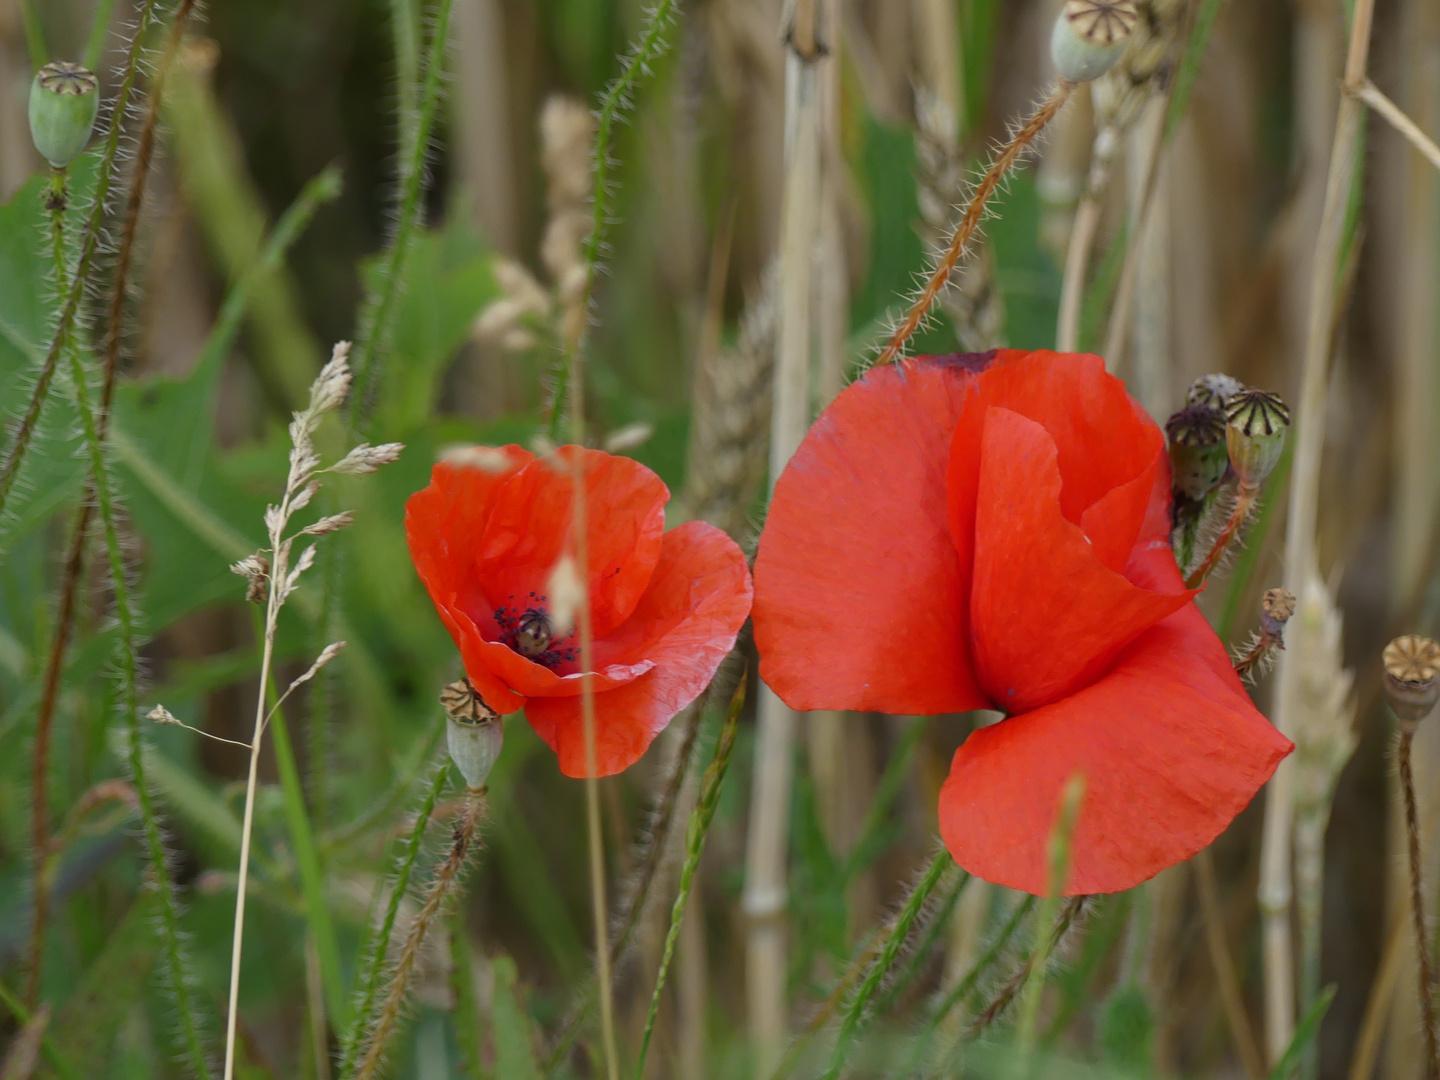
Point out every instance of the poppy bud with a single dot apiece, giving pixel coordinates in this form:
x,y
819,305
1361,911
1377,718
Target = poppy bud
x,y
1257,422
474,733
1213,390
1089,37
63,104
1197,449
1412,677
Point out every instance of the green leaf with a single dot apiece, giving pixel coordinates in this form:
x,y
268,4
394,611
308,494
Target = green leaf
x,y
514,1037
1305,1034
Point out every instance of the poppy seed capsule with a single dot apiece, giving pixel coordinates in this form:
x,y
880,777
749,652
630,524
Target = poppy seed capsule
x,y
64,99
533,634
1412,677
1213,390
474,733
1197,449
1089,37
1275,610
1257,421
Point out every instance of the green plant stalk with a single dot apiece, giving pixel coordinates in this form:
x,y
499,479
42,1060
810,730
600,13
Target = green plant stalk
x,y
307,861
379,306
423,750
55,200
34,35
936,926
1060,838
405,30
378,945
99,30
652,46
879,817
1304,1036
854,1017
89,244
192,1045
467,1017
695,833
57,1061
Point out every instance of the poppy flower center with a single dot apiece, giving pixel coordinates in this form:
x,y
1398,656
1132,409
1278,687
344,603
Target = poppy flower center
x,y
530,633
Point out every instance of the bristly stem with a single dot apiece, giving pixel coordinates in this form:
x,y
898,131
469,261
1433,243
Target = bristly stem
x,y
651,46
372,336
1001,1001
378,946
1245,498
970,220
855,1011
176,971
695,833
1417,904
89,244
56,198
444,884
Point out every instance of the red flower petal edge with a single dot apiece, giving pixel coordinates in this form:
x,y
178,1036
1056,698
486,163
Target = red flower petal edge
x,y
1171,750
859,601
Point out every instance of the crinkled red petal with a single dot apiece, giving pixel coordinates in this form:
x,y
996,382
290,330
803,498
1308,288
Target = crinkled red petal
x,y
1168,742
529,529
858,603
1048,616
684,625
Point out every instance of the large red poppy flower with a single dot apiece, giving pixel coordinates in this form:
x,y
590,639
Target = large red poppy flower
x,y
665,606
990,531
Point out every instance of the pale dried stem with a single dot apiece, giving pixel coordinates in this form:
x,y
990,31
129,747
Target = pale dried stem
x,y
1370,94
1276,885
440,890
1425,975
1225,977
970,220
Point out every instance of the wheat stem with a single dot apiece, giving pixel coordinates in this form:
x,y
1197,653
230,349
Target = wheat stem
x,y
1424,973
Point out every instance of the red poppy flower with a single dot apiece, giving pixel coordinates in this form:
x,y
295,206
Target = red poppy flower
x,y
991,531
665,607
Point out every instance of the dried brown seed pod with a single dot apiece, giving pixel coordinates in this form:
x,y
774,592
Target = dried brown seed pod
x,y
1412,676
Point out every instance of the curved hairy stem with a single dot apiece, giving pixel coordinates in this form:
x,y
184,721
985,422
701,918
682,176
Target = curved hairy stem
x,y
1024,136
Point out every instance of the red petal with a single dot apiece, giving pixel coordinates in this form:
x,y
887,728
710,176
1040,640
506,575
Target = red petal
x,y
858,598
684,625
1170,747
443,520
529,530
1048,616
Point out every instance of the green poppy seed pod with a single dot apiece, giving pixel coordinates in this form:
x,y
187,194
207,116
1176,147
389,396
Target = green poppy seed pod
x,y
474,733
1089,37
1257,422
1197,449
1412,677
64,99
1213,390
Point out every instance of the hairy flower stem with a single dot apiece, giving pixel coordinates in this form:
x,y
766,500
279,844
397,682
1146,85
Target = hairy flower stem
x,y
1001,1001
378,948
89,244
695,833
1417,904
56,199
446,879
1246,496
855,1012
970,220
192,1044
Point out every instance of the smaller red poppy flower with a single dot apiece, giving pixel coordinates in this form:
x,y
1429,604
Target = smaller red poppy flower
x,y
991,531
486,537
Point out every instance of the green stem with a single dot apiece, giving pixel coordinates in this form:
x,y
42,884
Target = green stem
x,y
192,1044
378,947
99,30
695,833
855,1013
89,244
922,951
34,35
379,308
307,860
